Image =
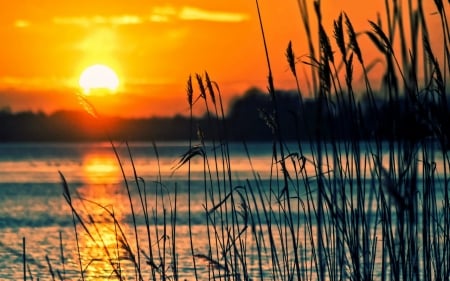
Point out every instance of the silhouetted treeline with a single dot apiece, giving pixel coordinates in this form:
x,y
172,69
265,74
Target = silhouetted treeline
x,y
250,117
68,126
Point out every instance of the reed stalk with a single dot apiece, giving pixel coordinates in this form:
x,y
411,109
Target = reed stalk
x,y
348,201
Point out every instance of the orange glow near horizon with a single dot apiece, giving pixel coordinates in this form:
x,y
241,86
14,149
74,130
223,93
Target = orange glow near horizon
x,y
154,47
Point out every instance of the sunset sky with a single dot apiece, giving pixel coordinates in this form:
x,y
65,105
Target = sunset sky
x,y
153,46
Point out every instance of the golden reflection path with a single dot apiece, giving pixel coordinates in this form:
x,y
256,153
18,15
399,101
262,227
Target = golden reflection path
x,y
104,250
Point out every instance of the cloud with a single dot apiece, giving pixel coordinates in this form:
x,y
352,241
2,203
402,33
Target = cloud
x,y
30,83
81,21
159,18
21,23
99,20
126,20
165,11
192,13
188,13
158,14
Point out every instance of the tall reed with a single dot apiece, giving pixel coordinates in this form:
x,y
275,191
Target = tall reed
x,y
349,202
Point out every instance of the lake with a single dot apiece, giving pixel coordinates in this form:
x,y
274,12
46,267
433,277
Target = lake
x,y
32,204
34,210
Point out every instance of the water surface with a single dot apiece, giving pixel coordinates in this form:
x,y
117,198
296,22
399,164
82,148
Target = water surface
x,y
32,205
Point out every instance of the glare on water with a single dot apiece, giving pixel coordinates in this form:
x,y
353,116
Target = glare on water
x,y
104,244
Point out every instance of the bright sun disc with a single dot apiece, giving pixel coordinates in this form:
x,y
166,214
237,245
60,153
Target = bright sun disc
x,y
99,79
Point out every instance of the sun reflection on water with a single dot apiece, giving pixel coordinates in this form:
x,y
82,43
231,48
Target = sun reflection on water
x,y
101,169
104,251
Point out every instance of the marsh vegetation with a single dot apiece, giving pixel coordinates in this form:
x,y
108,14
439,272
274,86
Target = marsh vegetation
x,y
371,206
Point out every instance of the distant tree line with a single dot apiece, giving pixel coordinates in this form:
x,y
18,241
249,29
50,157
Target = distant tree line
x,y
250,117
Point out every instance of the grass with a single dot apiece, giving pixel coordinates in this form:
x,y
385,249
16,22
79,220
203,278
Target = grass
x,y
332,209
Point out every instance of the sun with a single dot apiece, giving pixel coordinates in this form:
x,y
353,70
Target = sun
x,y
98,79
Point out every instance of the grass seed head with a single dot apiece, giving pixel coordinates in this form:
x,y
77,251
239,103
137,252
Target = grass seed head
x,y
189,90
201,86
352,37
291,58
210,88
339,35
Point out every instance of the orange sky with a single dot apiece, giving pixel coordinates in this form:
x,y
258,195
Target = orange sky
x,y
152,45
